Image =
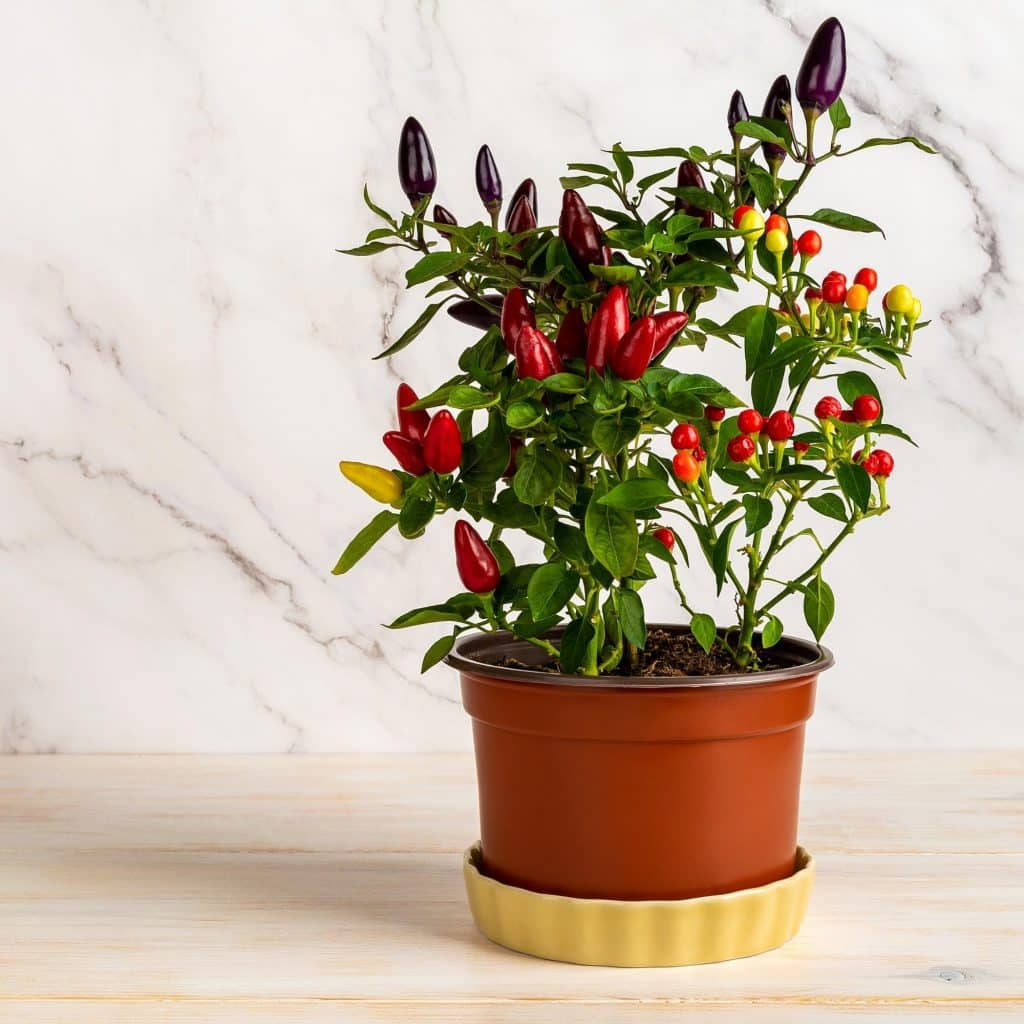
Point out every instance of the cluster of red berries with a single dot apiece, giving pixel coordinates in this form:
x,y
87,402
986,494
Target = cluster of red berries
x,y
778,428
834,292
865,410
689,454
877,463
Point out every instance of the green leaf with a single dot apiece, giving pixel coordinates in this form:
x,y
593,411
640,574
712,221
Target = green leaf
x,y
413,332
436,651
854,383
538,474
462,396
702,627
631,616
616,273
367,249
435,264
428,614
372,532
417,511
819,606
705,389
871,143
383,214
855,484
838,115
564,383
765,387
758,513
522,415
763,186
771,632
612,435
838,219
550,589
612,535
575,641
570,543
758,131
697,273
623,163
758,339
486,455
639,493
720,554
830,505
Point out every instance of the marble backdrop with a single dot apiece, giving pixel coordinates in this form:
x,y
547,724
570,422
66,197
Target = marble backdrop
x,y
185,357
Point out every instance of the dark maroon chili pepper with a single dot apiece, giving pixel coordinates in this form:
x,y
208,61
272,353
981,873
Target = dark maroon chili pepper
x,y
416,168
471,313
607,327
407,452
820,79
689,176
516,313
580,232
443,216
478,568
631,357
667,325
442,443
737,112
778,105
521,217
526,188
412,423
536,357
488,181
571,339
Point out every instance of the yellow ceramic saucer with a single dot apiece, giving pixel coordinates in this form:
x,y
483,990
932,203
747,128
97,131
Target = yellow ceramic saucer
x,y
639,933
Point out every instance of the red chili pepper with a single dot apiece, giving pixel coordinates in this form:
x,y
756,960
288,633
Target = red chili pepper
x,y
536,357
521,218
780,426
685,436
714,413
738,213
884,463
685,467
412,423
867,277
442,443
776,222
750,421
809,243
407,452
833,291
835,275
478,568
580,231
740,448
699,454
828,408
607,327
516,312
571,339
812,295
866,409
801,447
665,536
631,357
869,463
667,324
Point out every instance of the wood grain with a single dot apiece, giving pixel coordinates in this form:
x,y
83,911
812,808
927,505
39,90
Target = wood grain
x,y
328,888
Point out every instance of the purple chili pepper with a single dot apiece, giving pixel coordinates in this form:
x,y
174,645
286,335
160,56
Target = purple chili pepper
x,y
737,112
529,189
488,181
778,105
824,68
416,168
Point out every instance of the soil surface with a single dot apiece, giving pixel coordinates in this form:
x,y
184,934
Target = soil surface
x,y
667,654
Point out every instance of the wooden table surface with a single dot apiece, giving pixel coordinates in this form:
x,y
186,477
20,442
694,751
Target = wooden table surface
x,y
316,889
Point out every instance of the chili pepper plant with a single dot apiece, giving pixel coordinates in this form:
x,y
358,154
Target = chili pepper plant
x,y
578,414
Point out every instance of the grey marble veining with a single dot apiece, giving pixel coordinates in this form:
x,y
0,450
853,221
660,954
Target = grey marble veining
x,y
186,358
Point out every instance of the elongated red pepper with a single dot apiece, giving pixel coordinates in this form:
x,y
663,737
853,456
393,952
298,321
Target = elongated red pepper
x,y
478,568
607,327
631,357
412,423
667,325
571,339
521,217
527,188
516,313
408,452
580,232
442,443
536,357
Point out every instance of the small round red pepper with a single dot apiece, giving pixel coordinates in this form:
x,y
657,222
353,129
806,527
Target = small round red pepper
x,y
442,443
884,463
750,421
516,312
833,291
714,413
665,536
740,448
631,357
607,327
685,437
478,568
867,277
866,409
685,467
828,408
779,426
809,243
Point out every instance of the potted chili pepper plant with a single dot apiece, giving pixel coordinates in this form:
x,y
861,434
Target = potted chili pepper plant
x,y
639,782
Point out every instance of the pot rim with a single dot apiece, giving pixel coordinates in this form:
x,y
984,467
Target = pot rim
x,y
816,660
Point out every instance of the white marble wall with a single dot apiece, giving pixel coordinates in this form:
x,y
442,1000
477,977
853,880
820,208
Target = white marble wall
x,y
185,358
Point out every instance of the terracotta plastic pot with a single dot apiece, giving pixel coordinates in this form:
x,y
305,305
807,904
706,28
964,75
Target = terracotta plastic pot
x,y
636,788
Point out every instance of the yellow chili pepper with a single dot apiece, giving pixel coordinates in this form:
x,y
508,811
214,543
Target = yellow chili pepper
x,y
380,484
